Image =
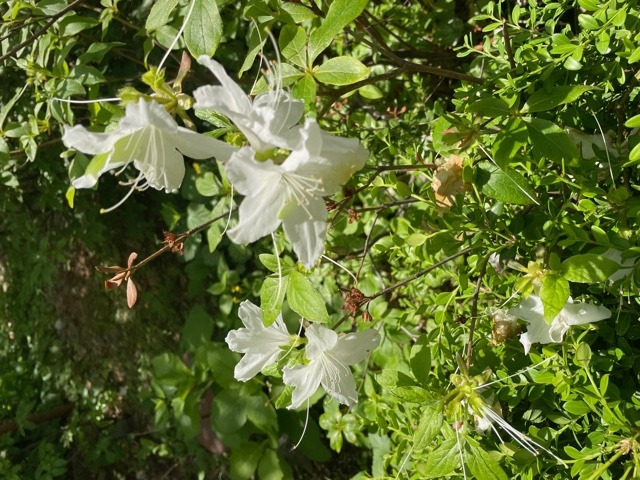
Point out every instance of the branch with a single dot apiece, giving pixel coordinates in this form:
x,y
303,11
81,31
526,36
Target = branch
x,y
419,274
36,418
474,311
40,32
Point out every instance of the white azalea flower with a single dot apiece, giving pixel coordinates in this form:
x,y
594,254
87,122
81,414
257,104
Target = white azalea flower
x,y
291,192
329,355
271,120
531,311
150,138
260,344
626,265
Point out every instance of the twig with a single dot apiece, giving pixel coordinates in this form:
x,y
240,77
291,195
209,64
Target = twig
x,y
419,274
474,311
406,201
178,239
366,244
40,32
507,44
57,412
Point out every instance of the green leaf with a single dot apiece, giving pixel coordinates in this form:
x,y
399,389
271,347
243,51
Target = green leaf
x,y
588,268
371,92
489,107
170,369
204,29
634,155
482,466
341,13
207,185
305,89
442,461
73,24
305,300
341,71
576,407
430,426
572,64
271,298
293,45
244,459
504,185
587,22
228,411
159,14
261,413
70,196
602,43
554,294
635,56
633,122
550,141
420,359
198,327
402,386
216,229
509,141
269,467
546,99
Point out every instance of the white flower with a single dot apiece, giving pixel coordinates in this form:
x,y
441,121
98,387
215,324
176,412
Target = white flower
x,y
626,265
150,138
291,192
329,356
271,120
531,311
260,344
586,142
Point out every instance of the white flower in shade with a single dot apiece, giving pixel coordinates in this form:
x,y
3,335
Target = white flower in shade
x,y
261,345
626,265
329,355
150,138
291,192
532,311
270,121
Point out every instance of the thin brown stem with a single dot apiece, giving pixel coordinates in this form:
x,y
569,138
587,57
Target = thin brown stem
x,y
418,67
178,239
474,311
419,274
507,44
366,244
36,418
406,201
40,32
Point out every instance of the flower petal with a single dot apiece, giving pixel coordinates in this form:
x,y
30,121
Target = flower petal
x,y
143,114
580,313
338,381
529,309
354,347
320,339
306,228
306,380
327,157
251,364
196,145
250,315
228,99
259,210
88,142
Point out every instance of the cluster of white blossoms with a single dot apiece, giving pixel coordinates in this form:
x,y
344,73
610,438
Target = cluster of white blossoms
x,y
283,172
531,311
328,353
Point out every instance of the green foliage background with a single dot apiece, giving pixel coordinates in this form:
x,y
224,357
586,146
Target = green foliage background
x,y
538,101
